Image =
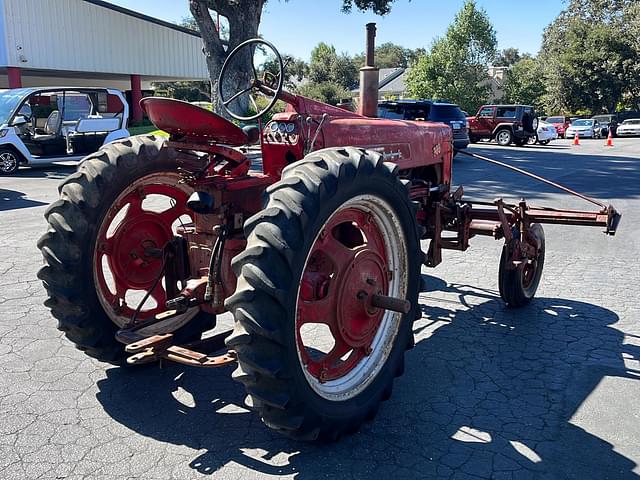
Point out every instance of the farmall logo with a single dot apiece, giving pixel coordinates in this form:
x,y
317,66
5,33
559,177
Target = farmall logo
x,y
390,152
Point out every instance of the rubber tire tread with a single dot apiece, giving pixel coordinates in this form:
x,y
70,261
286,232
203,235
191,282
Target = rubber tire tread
x,y
268,271
510,284
68,244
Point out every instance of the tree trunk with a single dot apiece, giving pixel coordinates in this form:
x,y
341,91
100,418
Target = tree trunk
x,y
244,19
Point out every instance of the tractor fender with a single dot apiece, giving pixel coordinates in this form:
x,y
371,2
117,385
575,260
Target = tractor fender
x,y
13,141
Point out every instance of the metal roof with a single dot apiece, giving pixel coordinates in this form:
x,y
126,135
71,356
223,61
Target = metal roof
x,y
142,16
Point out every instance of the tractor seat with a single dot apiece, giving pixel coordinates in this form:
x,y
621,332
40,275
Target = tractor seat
x,y
51,128
189,123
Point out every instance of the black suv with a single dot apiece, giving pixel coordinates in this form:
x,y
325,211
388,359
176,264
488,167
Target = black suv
x,y
432,111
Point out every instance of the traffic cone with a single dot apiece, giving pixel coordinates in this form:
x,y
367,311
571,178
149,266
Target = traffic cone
x,y
609,140
576,139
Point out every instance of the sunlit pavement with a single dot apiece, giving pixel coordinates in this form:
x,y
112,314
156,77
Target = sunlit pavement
x,y
549,391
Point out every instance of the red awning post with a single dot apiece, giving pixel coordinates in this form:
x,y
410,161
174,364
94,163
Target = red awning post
x,y
136,96
15,77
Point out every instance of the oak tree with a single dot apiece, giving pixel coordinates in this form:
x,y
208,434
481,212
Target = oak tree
x,y
243,18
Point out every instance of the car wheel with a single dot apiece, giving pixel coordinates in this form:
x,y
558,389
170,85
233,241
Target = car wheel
x,y
504,137
533,140
544,142
9,161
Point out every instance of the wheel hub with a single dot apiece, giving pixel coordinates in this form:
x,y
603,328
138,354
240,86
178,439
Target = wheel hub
x,y
133,251
358,320
132,258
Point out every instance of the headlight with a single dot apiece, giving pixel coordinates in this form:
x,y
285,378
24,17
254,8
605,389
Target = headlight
x,y
3,132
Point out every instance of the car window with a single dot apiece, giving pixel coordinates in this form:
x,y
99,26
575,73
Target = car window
x,y
446,112
555,120
391,111
486,112
582,123
632,122
404,112
506,112
414,112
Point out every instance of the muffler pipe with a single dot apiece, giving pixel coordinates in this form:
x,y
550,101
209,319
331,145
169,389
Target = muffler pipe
x,y
369,77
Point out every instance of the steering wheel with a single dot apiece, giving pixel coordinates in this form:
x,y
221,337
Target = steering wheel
x,y
270,85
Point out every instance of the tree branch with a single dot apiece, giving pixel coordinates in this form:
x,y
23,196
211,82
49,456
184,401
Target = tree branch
x,y
208,31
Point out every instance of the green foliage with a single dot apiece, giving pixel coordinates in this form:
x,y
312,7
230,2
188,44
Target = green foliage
x,y
327,66
331,76
390,55
187,91
591,56
524,83
507,57
327,92
379,7
294,69
456,65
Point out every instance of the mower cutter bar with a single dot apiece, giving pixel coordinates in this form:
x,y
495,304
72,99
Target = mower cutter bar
x,y
607,217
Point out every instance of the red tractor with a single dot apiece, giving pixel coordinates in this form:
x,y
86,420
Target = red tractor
x,y
315,250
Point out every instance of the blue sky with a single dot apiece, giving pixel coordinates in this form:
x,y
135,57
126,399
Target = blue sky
x,y
296,26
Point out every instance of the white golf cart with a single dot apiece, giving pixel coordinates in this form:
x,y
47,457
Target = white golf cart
x,y
53,124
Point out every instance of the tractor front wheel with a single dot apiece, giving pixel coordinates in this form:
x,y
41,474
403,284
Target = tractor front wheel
x,y
518,283
317,354
123,203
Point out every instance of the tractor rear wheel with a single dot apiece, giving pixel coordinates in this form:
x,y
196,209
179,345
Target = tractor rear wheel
x,y
123,200
518,285
315,355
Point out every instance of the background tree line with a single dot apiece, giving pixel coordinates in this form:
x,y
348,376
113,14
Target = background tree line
x,y
589,61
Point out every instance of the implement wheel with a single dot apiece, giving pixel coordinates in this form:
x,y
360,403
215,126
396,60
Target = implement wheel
x,y
123,202
518,284
315,355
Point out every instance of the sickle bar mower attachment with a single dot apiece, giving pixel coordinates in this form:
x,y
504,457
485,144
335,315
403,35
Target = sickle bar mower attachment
x,y
497,219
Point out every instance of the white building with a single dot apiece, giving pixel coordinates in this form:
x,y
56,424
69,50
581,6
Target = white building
x,y
93,43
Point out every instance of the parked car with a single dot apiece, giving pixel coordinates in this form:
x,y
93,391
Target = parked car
x,y
53,124
429,110
560,122
607,122
629,128
504,123
544,133
585,127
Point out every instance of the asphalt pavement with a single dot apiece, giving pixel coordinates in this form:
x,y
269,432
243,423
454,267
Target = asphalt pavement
x,y
548,391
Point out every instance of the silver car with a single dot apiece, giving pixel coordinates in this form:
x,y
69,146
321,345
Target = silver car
x,y
585,128
629,128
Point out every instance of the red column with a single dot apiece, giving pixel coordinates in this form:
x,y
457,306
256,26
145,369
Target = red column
x,y
15,78
136,96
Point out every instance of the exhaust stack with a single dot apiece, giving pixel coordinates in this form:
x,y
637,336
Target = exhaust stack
x,y
369,77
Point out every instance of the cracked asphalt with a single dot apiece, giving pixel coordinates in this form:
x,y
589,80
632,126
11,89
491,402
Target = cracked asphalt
x,y
548,391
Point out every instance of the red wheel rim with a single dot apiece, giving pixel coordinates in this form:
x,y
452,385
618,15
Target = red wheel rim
x,y
347,264
131,238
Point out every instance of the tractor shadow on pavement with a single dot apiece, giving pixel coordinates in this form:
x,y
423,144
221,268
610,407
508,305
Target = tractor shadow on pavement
x,y
54,172
488,392
14,200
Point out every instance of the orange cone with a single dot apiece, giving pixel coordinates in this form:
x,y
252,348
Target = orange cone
x,y
576,139
609,140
